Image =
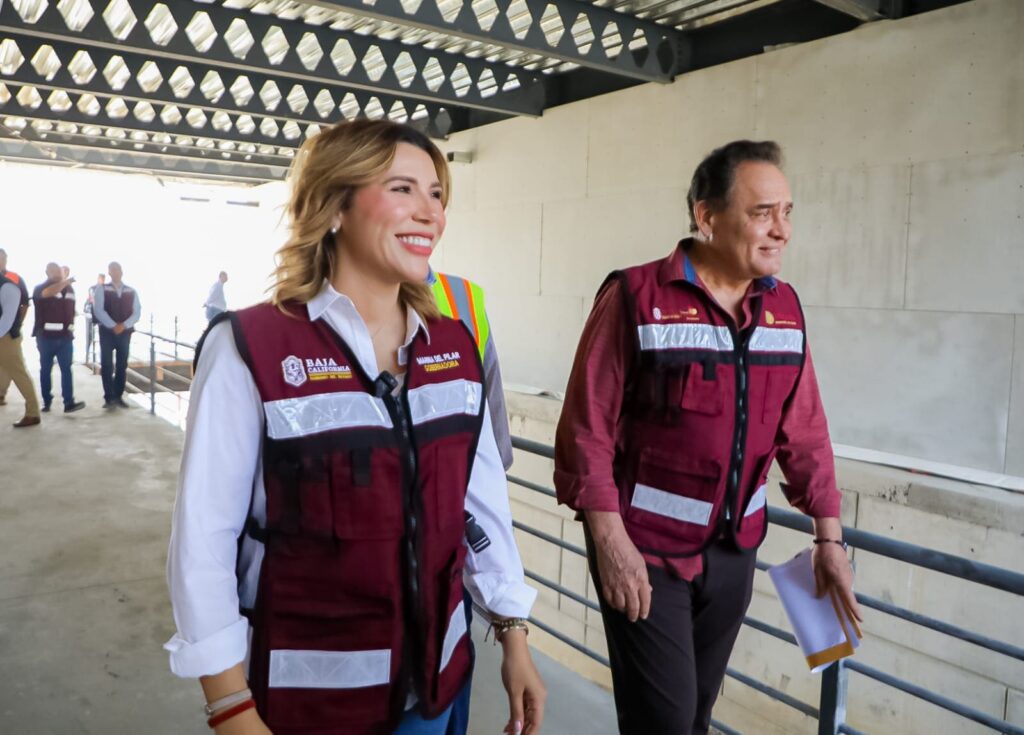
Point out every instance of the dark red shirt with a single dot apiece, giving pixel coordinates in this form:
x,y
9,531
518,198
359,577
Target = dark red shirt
x,y
591,423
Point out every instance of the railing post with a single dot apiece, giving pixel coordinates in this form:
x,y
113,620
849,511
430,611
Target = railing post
x,y
175,338
152,368
833,699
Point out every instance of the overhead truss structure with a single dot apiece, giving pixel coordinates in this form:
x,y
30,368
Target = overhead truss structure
x,y
231,88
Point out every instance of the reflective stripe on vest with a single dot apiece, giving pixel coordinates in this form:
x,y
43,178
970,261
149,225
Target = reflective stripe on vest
x,y
461,299
682,508
440,400
456,629
329,669
685,337
777,340
289,418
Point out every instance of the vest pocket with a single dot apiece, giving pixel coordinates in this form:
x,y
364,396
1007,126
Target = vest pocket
x,y
362,510
444,475
702,393
299,495
674,494
329,651
778,385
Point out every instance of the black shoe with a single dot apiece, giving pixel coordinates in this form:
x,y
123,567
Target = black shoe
x,y
72,407
46,408
109,404
122,403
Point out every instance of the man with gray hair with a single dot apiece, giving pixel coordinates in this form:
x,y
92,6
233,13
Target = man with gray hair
x,y
692,376
117,309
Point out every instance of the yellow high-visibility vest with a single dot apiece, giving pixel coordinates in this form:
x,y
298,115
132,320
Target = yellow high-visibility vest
x,y
459,298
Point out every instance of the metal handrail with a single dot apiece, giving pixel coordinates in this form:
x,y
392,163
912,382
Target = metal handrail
x,y
831,715
154,387
169,340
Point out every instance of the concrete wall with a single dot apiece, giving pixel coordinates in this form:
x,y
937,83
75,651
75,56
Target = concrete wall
x,y
905,149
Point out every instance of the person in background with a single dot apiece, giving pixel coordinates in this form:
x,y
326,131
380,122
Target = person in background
x,y
90,321
54,302
14,302
117,309
216,303
460,298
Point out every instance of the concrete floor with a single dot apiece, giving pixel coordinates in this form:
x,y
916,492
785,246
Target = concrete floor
x,y
85,503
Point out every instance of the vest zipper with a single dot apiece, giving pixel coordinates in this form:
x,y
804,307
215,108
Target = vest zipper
x,y
728,519
411,543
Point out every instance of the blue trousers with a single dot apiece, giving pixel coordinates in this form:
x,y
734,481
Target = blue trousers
x,y
414,724
113,372
61,348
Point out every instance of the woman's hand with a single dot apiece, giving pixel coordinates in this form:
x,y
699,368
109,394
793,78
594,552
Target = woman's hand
x,y
526,691
246,723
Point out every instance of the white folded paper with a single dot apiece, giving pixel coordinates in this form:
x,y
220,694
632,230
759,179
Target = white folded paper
x,y
824,628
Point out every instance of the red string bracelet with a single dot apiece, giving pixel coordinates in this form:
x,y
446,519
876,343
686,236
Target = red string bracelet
x,y
229,713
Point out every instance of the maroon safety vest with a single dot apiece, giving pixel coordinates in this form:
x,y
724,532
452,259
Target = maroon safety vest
x,y
12,277
702,410
55,315
119,307
360,592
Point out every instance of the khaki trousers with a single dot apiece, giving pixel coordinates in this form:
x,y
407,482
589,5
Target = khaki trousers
x,y
12,367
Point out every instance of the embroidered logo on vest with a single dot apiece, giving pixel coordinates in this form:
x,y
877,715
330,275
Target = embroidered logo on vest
x,y
436,363
783,321
325,368
294,373
690,314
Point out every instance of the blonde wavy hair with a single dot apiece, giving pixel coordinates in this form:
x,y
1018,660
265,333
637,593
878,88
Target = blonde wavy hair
x,y
327,172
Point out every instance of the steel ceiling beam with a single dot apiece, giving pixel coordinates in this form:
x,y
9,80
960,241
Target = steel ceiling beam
x,y
660,54
361,55
34,151
104,119
132,90
102,142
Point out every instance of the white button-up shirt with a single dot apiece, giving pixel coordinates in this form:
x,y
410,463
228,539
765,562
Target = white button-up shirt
x,y
222,475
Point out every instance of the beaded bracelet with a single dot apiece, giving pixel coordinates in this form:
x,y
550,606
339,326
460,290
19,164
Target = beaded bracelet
x,y
501,627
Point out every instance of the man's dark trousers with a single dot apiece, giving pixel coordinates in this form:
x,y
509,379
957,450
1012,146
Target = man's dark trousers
x,y
112,369
61,348
667,670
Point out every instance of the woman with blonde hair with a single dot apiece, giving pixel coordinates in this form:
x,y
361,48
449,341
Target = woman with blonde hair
x,y
339,455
